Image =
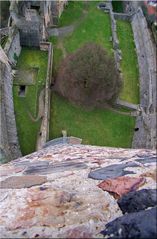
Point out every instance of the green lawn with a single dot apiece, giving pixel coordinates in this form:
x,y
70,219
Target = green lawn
x,y
95,127
95,27
28,129
92,26
72,12
129,64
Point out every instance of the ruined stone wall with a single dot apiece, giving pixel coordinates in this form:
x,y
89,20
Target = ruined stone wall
x,y
4,143
145,136
13,47
30,34
123,16
146,59
44,129
4,31
9,139
146,52
114,36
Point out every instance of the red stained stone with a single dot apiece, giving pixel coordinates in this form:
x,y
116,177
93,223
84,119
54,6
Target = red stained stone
x,y
121,185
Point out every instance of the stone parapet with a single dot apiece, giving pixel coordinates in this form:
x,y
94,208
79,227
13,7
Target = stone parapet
x,y
56,193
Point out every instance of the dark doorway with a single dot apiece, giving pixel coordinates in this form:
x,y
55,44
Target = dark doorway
x,y
22,90
136,129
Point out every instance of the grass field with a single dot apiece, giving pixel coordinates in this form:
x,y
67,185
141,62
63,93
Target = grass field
x,y
72,13
94,27
129,64
95,127
28,129
91,26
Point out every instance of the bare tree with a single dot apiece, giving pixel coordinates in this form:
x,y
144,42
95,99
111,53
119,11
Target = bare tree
x,y
89,77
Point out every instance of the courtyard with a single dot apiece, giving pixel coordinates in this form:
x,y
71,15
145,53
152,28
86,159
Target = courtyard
x,y
107,127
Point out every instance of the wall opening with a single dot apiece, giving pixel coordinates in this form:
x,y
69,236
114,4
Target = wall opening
x,y
136,129
22,90
37,8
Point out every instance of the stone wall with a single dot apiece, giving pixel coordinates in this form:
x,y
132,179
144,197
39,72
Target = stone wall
x,y
4,31
46,46
9,140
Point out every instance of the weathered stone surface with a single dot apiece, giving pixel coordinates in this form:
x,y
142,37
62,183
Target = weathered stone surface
x,y
69,203
22,181
150,174
133,225
112,171
121,185
54,168
147,160
7,171
137,201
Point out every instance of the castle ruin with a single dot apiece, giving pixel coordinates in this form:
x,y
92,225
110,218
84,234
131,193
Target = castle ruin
x,y
28,26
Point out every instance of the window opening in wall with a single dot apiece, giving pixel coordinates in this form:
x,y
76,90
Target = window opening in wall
x,y
37,8
22,90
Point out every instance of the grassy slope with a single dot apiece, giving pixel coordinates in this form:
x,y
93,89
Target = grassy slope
x,y
27,129
96,127
129,64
